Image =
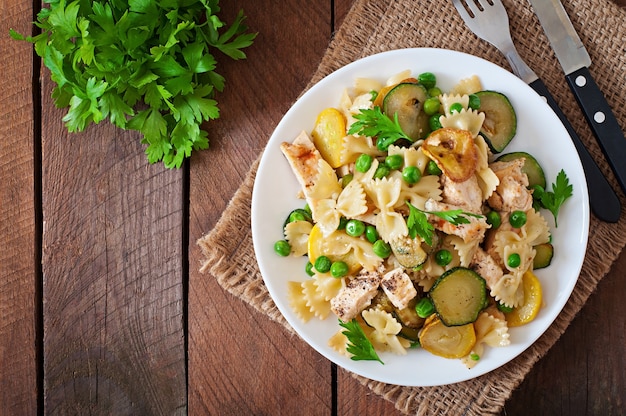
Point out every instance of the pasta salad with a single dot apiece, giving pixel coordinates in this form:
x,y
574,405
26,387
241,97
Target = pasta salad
x,y
418,231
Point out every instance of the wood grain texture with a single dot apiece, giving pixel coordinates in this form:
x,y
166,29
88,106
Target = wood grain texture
x,y
112,274
239,361
18,356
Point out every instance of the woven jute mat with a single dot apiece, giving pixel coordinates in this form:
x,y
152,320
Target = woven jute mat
x,y
374,26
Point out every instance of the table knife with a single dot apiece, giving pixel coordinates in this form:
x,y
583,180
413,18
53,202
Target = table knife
x,y
575,61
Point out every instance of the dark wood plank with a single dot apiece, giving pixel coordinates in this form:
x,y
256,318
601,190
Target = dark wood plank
x,y
342,7
113,274
18,357
239,361
354,399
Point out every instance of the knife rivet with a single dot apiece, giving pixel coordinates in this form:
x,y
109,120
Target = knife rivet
x,y
599,117
581,81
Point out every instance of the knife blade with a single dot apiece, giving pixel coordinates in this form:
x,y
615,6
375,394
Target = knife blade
x,y
575,61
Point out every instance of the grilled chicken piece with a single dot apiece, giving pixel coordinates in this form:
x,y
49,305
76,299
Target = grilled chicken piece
x,y
303,158
474,230
512,193
483,264
465,194
398,287
356,295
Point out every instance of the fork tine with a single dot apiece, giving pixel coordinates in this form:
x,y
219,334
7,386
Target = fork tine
x,y
461,9
467,8
472,6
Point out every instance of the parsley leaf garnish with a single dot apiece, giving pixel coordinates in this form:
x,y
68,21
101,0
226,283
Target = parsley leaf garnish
x,y
553,200
358,345
374,123
418,224
143,65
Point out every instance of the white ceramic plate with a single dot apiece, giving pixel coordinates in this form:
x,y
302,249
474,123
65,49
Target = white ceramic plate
x,y
539,133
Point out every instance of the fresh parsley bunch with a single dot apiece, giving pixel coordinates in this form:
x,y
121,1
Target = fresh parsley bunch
x,y
145,65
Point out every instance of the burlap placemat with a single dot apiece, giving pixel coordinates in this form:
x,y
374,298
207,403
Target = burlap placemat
x,y
376,25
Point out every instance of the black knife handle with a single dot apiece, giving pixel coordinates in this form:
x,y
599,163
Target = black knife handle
x,y
604,203
601,120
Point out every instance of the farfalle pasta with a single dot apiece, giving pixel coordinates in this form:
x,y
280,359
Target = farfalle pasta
x,y
406,221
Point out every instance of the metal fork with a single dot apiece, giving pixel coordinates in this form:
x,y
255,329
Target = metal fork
x,y
489,21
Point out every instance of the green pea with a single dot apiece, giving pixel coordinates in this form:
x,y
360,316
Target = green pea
x,y
474,356
346,179
434,123
339,269
424,308
363,163
282,248
494,219
474,102
355,228
434,92
322,264
342,223
381,171
383,144
432,168
427,79
411,175
514,260
456,108
309,268
381,249
517,219
432,105
296,216
394,161
504,308
371,233
443,257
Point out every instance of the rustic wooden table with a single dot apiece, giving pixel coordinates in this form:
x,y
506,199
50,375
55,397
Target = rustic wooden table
x,y
102,307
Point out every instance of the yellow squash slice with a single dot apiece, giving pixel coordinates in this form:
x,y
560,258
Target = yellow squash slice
x,y
328,135
447,341
533,299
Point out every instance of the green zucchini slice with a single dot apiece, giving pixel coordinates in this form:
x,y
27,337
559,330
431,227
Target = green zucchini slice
x,y
409,252
458,296
408,316
412,334
406,100
531,167
411,322
500,123
543,256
